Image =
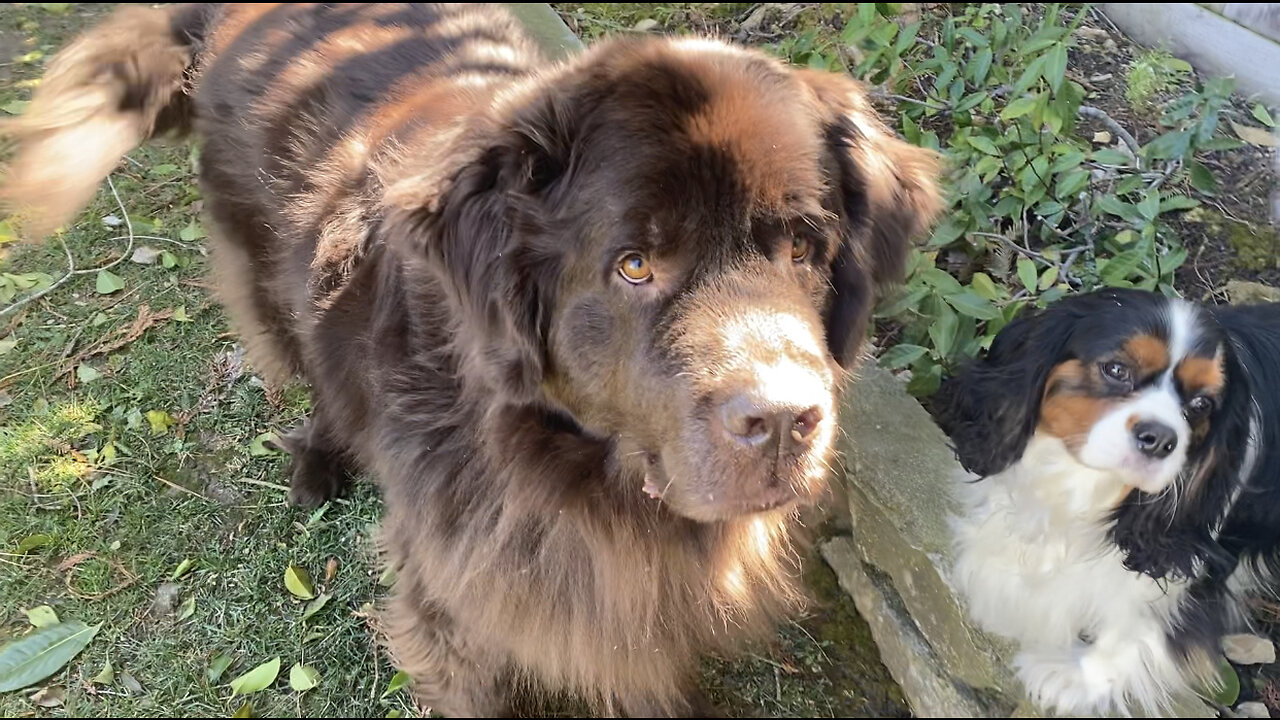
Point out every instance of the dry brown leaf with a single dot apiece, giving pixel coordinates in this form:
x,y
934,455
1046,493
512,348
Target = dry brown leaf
x,y
49,697
145,320
68,566
1254,135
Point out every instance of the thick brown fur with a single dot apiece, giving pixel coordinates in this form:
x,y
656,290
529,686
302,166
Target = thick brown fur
x,y
425,221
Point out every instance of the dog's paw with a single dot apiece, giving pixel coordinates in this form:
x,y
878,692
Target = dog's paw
x,y
316,477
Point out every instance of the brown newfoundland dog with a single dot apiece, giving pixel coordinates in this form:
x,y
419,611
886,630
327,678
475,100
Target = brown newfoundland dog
x,y
585,323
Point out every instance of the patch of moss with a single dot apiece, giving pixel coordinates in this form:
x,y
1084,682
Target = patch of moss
x,y
1257,248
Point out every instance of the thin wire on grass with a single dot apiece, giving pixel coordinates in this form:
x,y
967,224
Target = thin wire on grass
x,y
71,264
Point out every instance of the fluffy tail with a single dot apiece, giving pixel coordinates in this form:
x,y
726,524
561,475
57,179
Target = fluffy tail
x,y
109,91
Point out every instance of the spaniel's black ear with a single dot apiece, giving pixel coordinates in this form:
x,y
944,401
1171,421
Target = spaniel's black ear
x,y
470,215
887,193
991,408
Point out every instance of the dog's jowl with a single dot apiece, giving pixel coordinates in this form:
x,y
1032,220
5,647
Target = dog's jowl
x,y
584,323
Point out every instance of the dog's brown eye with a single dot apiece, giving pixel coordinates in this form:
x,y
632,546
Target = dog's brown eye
x,y
635,269
1116,371
799,249
1198,405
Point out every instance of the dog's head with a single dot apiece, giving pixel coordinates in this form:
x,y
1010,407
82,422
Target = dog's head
x,y
1154,398
676,243
1129,381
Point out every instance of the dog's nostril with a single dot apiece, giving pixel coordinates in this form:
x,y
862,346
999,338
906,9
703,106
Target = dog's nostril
x,y
1154,439
756,429
752,422
746,421
805,424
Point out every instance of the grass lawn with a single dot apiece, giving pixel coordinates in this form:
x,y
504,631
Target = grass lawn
x,y
135,492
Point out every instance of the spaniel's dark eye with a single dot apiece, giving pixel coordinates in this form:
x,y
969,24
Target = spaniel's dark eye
x,y
1118,372
1198,406
635,269
799,249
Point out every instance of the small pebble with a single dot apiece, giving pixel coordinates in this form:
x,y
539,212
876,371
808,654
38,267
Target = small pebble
x,y
1252,709
1246,649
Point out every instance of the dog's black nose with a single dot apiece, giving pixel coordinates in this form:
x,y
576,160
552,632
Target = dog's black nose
x,y
1155,440
754,423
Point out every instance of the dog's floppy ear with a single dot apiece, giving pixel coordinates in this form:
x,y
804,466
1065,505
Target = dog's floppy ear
x,y
991,408
887,193
469,216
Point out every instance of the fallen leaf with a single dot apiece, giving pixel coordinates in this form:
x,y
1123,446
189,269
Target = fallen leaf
x,y
256,679
312,636
330,569
31,542
1260,112
112,221
217,666
49,697
160,421
87,373
298,582
5,398
259,448
188,608
180,314
8,344
1254,135
244,711
1229,684
315,606
145,255
15,107
394,713
182,569
1102,137
131,684
645,25
168,260
105,676
42,616
192,232
42,653
109,282
398,681
303,677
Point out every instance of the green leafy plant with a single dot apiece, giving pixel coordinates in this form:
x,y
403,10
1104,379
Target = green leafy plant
x,y
1152,73
1037,208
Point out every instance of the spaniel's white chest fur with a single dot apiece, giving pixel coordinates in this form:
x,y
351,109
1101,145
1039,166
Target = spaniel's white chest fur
x,y
1034,565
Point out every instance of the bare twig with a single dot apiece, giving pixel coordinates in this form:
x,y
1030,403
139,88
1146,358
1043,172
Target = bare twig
x,y
1064,267
71,271
71,265
1125,137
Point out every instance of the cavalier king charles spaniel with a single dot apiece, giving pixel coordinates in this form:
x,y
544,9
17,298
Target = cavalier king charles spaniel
x,y
1127,448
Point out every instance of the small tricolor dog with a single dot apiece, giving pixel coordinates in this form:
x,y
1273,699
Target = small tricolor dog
x,y
1128,446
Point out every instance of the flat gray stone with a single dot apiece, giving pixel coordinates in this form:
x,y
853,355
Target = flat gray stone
x,y
930,691
898,472
1243,292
